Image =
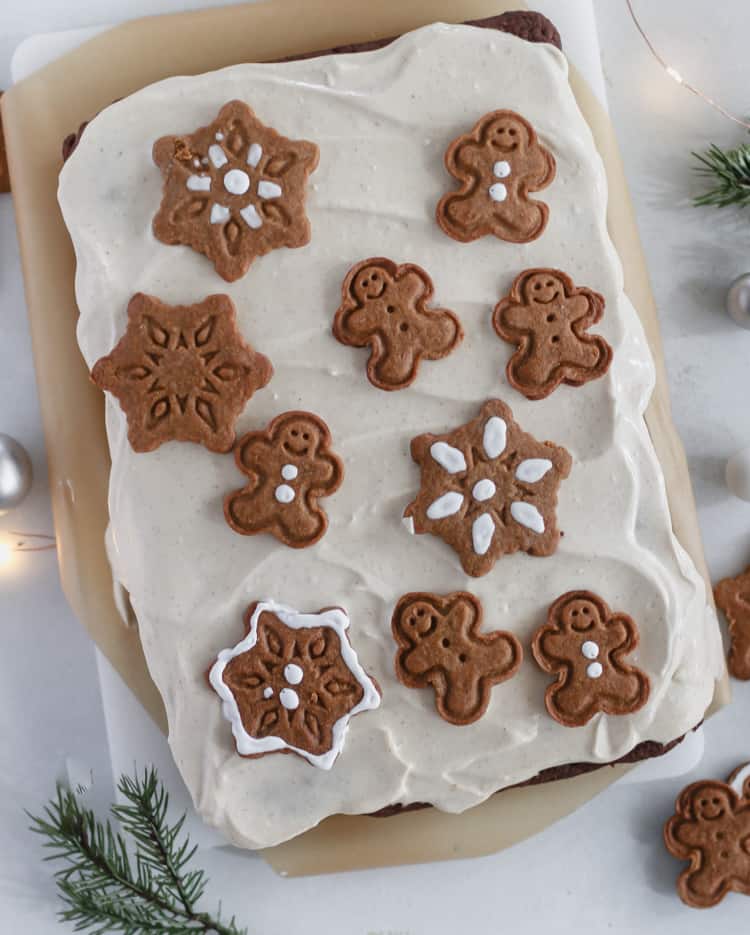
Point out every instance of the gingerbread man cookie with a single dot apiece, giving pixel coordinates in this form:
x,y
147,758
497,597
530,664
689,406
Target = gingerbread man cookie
x,y
290,466
182,372
498,163
733,597
384,306
547,316
440,645
584,644
711,829
293,683
234,190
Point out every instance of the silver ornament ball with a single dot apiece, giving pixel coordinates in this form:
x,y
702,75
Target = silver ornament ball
x,y
15,473
738,301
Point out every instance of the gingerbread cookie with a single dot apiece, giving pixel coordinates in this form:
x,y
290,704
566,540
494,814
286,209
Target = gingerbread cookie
x,y
498,163
584,644
293,683
441,646
4,173
182,372
234,190
711,829
290,466
384,306
488,489
733,597
547,316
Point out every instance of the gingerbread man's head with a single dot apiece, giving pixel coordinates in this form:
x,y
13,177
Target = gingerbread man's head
x,y
579,615
707,801
419,620
507,134
370,283
542,288
299,437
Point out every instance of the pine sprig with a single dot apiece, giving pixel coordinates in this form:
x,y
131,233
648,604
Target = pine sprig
x,y
105,889
730,172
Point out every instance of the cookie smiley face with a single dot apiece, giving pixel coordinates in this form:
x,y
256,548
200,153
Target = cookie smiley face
x,y
542,288
370,282
711,803
507,133
299,437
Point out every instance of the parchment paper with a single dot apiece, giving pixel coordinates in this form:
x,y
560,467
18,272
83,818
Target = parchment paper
x,y
38,113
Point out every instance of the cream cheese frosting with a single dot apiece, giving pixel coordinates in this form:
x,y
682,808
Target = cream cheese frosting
x,y
382,120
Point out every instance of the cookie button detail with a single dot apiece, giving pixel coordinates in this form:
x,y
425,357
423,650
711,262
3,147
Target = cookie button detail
x,y
293,441
441,646
284,647
502,145
609,685
480,514
384,307
547,317
249,200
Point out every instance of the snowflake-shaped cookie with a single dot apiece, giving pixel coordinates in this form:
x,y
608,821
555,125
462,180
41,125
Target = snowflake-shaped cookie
x,y
293,683
488,489
182,372
234,190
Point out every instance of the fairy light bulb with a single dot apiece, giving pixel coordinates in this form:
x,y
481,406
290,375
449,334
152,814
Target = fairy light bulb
x,y
6,553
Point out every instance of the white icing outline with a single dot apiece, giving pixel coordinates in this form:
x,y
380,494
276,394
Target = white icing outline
x,y
482,533
338,620
236,181
269,190
494,436
449,458
448,504
738,780
532,470
217,156
199,183
254,155
250,216
484,489
527,515
219,214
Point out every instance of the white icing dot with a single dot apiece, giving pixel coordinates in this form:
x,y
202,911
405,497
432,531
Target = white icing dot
x,y
236,182
532,470
590,649
594,670
254,154
219,136
483,489
501,169
199,183
284,493
446,505
217,156
448,457
219,214
251,217
289,471
204,161
493,440
293,673
527,515
482,531
498,192
268,189
196,162
289,698
267,692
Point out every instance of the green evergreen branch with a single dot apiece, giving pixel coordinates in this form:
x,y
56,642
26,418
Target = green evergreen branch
x,y
730,172
103,889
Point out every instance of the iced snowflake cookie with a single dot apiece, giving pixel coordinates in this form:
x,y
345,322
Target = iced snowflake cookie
x,y
384,306
547,317
733,598
290,466
293,683
441,646
182,372
584,644
234,190
488,489
711,829
499,163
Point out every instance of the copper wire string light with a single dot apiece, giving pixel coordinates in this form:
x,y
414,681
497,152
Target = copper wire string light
x,y
676,76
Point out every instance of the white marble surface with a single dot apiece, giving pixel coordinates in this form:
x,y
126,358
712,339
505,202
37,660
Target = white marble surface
x,y
603,868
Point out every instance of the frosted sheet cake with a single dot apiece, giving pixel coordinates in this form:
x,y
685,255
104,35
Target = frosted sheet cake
x,y
382,493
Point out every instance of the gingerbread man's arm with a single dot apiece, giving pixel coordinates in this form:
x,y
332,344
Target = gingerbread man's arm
x,y
325,473
513,319
468,157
